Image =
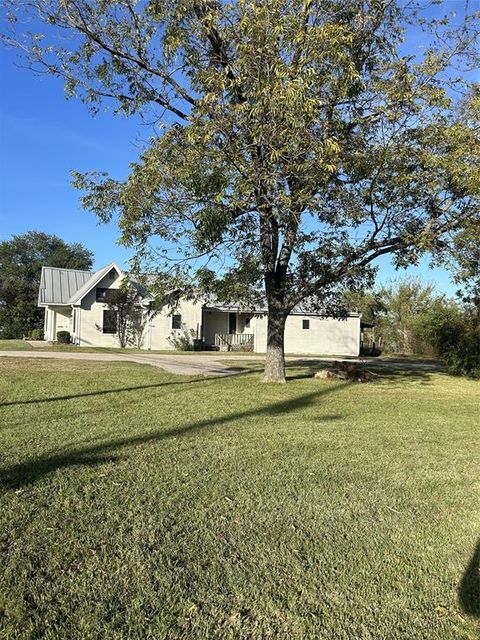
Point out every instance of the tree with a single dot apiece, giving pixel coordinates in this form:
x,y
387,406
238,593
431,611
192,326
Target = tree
x,y
298,140
21,261
406,301
130,316
404,313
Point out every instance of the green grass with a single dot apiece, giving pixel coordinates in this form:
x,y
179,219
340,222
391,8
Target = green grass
x,y
14,345
139,504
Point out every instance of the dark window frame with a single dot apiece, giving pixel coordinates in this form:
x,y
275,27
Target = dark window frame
x,y
108,326
306,324
248,320
176,321
102,294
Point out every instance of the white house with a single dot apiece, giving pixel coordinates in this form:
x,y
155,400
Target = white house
x,y
75,301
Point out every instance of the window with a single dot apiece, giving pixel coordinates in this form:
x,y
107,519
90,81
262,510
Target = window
x,y
176,321
109,321
305,324
247,322
103,295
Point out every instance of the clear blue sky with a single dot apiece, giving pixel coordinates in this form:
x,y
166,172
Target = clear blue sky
x,y
44,137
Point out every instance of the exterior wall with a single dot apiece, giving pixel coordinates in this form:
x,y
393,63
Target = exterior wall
x,y
64,319
48,324
259,325
241,319
160,326
214,322
56,319
326,336
91,317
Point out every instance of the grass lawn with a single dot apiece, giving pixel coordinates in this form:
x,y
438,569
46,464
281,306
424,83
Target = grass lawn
x,y
14,345
137,504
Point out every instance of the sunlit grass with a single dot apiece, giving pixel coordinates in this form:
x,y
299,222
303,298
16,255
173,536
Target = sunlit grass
x,y
139,504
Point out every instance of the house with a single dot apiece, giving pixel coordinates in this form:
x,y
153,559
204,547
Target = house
x,y
75,301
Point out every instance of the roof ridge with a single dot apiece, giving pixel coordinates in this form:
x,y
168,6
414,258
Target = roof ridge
x,y
46,266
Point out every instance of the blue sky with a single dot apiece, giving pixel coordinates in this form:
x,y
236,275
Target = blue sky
x,y
44,137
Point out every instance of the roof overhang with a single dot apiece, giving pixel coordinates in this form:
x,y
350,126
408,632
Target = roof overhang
x,y
94,280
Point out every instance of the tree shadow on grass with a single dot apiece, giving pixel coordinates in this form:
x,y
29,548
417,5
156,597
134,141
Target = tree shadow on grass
x,y
74,396
22,474
469,588
300,369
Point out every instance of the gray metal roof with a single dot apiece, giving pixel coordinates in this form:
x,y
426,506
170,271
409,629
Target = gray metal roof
x,y
57,286
68,286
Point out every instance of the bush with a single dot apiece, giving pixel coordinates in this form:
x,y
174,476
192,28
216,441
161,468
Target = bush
x,y
455,336
63,337
183,341
36,334
464,357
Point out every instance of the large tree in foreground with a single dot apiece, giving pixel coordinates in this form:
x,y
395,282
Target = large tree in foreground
x,y
295,143
21,261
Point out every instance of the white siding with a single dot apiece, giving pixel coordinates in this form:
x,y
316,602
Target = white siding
x,y
91,317
326,336
161,325
56,319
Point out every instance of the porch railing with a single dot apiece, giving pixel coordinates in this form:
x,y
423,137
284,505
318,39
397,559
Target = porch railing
x,y
234,341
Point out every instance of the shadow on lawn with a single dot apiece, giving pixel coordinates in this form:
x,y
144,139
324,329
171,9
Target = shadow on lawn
x,y
387,373
308,369
469,588
19,475
87,394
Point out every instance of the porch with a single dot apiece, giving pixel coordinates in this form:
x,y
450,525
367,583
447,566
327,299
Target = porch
x,y
226,330
234,341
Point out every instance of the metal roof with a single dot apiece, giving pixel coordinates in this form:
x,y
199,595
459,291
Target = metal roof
x,y
68,286
57,286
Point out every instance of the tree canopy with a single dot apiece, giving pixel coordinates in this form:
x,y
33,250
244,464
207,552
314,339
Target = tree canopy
x,y
21,261
295,141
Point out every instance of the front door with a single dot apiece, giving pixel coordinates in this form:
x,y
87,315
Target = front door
x,y
232,323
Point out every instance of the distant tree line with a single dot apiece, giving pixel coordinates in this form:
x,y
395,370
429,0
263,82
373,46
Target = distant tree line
x,y
411,319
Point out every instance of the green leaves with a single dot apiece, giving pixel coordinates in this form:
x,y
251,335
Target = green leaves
x,y
297,133
21,261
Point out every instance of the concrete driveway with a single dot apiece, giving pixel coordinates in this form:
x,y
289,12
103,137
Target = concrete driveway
x,y
214,365
181,365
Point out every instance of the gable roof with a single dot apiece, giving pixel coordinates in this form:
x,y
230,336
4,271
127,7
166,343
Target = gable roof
x,y
92,282
57,286
68,286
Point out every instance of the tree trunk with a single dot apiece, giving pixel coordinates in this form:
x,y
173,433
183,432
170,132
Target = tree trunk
x,y
275,360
